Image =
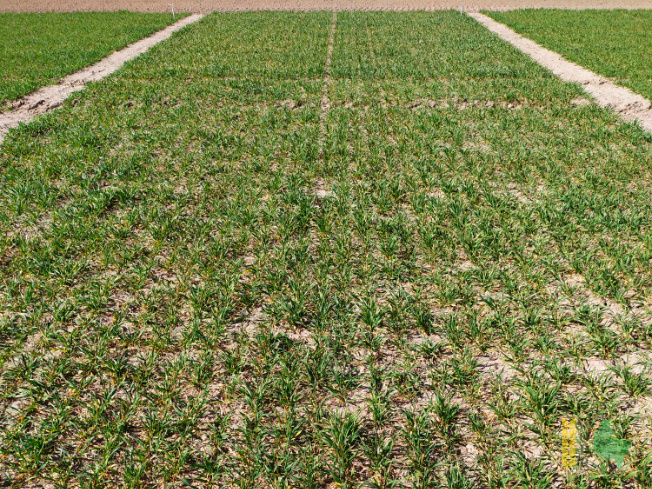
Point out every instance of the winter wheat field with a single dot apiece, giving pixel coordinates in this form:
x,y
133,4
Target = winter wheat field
x,y
330,249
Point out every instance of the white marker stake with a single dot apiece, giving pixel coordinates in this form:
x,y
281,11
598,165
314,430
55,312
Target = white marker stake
x,y
461,8
172,7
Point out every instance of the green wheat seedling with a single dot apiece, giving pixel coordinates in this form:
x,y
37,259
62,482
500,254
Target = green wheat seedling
x,y
611,43
40,49
195,290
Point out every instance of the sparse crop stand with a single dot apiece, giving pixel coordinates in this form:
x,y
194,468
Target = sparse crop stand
x,y
428,266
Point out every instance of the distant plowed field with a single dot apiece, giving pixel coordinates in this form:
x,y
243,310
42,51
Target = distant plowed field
x,y
241,5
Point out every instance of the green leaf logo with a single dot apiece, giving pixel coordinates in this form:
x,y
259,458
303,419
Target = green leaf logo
x,y
608,446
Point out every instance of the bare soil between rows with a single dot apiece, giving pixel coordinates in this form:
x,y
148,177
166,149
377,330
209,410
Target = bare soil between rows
x,y
307,5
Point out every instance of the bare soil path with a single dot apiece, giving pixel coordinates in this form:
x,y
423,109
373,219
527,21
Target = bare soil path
x,y
52,96
241,5
629,105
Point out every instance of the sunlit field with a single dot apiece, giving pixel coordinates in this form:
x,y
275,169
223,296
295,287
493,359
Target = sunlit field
x,y
226,266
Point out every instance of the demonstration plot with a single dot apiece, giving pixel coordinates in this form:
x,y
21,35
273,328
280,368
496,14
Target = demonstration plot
x,y
426,269
39,49
613,43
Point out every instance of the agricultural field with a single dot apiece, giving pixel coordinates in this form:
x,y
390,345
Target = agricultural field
x,y
613,43
326,250
39,49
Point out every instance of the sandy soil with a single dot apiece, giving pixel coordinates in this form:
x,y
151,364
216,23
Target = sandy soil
x,y
239,5
629,105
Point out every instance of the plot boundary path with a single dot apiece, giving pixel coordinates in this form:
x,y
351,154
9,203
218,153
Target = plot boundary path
x,y
52,96
631,106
